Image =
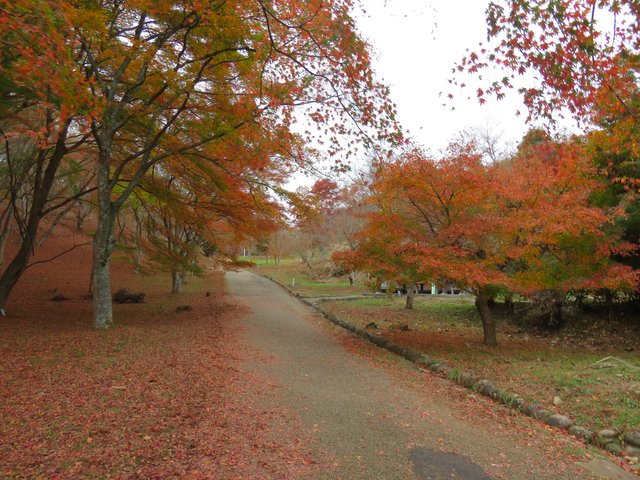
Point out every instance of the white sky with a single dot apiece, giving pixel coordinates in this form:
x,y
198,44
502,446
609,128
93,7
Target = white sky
x,y
416,44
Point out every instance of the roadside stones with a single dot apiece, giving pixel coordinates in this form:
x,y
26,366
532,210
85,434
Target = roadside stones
x,y
631,451
536,411
610,441
467,379
633,438
509,399
422,361
438,367
614,447
559,421
487,388
532,409
581,432
607,435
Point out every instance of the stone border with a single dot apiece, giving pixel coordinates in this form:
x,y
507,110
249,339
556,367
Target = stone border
x,y
613,441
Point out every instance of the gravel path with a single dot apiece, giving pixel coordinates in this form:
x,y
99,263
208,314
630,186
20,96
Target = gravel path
x,y
369,420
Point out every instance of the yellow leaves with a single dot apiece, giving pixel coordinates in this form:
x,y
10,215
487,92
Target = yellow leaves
x,y
92,22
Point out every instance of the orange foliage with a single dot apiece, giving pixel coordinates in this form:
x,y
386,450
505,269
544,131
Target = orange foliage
x,y
524,225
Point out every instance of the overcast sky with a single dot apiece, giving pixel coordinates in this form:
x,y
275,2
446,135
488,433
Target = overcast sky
x,y
416,43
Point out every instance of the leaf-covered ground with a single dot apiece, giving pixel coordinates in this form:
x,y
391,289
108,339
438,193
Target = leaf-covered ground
x,y
541,367
161,395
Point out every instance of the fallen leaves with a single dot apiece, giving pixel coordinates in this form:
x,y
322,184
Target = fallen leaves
x,y
159,396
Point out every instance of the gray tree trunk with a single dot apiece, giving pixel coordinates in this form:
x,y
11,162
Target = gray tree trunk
x,y
488,322
103,244
44,178
176,281
410,296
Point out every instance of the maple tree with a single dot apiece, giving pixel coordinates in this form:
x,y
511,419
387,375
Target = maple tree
x,y
525,225
161,84
578,49
45,107
186,216
175,79
312,208
578,58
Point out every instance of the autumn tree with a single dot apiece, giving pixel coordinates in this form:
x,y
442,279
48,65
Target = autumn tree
x,y
524,225
577,49
45,107
312,208
578,58
173,79
186,218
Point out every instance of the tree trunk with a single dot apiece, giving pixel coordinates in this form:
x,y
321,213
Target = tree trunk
x,y
609,301
103,244
390,288
410,295
176,281
3,241
555,315
488,323
14,270
44,177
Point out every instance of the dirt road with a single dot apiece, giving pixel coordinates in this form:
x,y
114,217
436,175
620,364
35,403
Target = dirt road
x,y
371,416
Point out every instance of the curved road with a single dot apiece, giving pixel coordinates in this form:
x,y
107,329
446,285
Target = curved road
x,y
374,422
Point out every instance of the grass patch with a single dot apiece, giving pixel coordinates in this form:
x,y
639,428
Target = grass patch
x,y
295,276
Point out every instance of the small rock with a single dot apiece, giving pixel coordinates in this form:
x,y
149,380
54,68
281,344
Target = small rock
x,y
633,438
437,367
557,400
487,388
614,447
532,409
632,460
631,451
467,379
542,415
443,369
510,400
580,432
607,435
422,360
559,421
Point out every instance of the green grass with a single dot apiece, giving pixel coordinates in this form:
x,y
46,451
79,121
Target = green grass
x,y
267,261
293,274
